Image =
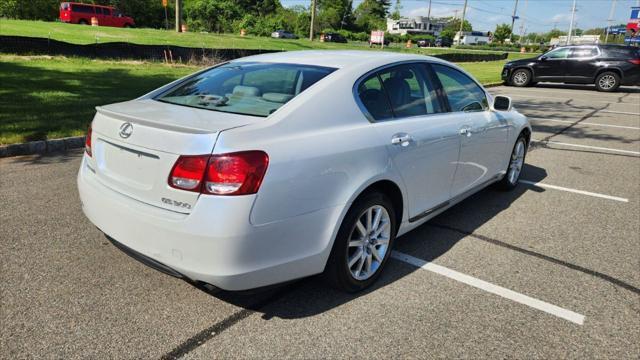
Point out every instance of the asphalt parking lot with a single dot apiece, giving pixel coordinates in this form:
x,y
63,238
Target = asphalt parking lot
x,y
549,270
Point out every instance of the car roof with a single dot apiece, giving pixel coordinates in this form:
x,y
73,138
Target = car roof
x,y
340,59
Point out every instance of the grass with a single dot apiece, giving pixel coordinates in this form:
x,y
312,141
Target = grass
x,y
82,34
48,98
44,97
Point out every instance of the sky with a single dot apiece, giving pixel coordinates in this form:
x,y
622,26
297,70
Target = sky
x,y
537,15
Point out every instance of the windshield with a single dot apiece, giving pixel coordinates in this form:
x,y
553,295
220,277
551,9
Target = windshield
x,y
256,89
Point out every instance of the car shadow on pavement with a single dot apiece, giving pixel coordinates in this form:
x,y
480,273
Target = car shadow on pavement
x,y
312,296
621,89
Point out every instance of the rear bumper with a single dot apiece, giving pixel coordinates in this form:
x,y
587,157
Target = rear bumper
x,y
215,243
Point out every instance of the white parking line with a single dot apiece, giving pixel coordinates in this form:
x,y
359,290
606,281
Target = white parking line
x,y
575,191
584,123
489,287
588,147
619,112
560,100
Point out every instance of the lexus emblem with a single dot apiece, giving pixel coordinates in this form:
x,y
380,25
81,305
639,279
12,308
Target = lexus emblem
x,y
126,130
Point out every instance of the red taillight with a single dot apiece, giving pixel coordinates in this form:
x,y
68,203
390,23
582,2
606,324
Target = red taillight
x,y
238,173
635,61
87,141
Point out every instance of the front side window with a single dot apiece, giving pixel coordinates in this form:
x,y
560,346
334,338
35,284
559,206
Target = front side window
x,y
561,53
462,92
256,89
106,11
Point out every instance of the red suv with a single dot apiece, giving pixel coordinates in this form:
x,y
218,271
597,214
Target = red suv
x,y
77,13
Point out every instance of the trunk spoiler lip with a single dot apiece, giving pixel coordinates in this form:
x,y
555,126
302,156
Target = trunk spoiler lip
x,y
123,116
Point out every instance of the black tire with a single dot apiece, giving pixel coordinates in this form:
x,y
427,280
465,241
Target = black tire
x,y
128,26
520,77
507,183
608,81
83,22
337,272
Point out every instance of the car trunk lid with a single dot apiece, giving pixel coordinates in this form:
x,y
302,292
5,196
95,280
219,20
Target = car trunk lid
x,y
136,143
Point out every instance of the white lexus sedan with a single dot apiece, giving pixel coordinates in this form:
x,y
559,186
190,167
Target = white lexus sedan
x,y
276,167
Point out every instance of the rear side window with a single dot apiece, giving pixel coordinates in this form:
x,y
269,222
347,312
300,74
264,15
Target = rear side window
x,y
578,53
106,11
621,52
400,91
82,8
462,92
374,99
256,89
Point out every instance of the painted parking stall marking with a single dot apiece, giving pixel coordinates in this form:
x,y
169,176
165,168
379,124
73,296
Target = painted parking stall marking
x,y
637,153
575,191
491,288
584,123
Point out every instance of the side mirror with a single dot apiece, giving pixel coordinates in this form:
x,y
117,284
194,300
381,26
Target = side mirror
x,y
543,58
501,103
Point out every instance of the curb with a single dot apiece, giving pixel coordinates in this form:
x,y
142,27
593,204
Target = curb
x,y
494,84
42,147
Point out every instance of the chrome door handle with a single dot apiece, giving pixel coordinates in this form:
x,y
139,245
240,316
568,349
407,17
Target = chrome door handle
x,y
465,131
401,139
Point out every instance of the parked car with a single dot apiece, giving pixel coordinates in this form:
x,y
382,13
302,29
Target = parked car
x,y
240,176
606,66
78,13
425,42
282,34
334,37
443,42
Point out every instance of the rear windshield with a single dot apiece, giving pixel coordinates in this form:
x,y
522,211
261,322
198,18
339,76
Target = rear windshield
x,y
256,89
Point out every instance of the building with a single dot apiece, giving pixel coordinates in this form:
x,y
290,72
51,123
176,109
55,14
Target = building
x,y
575,40
415,25
472,38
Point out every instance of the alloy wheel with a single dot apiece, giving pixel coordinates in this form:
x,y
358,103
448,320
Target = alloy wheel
x,y
520,78
368,242
516,163
607,82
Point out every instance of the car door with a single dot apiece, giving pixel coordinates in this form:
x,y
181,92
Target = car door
x,y
483,133
552,65
406,111
107,19
582,64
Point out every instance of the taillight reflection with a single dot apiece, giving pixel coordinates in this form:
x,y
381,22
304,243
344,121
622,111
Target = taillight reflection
x,y
87,141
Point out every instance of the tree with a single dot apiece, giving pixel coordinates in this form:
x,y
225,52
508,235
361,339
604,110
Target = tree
x,y
371,15
502,32
452,28
335,14
395,15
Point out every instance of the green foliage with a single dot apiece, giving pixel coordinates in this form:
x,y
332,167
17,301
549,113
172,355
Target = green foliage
x,y
371,15
335,14
395,15
453,26
503,32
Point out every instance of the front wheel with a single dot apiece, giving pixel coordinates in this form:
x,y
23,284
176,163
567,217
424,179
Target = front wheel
x,y
521,78
607,81
516,162
363,244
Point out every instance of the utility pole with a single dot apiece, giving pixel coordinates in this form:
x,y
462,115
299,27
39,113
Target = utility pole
x,y
513,20
573,17
178,15
522,23
313,19
429,13
610,20
464,11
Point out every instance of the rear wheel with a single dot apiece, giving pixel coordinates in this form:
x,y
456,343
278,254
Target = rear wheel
x,y
521,77
516,162
607,81
363,243
83,22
